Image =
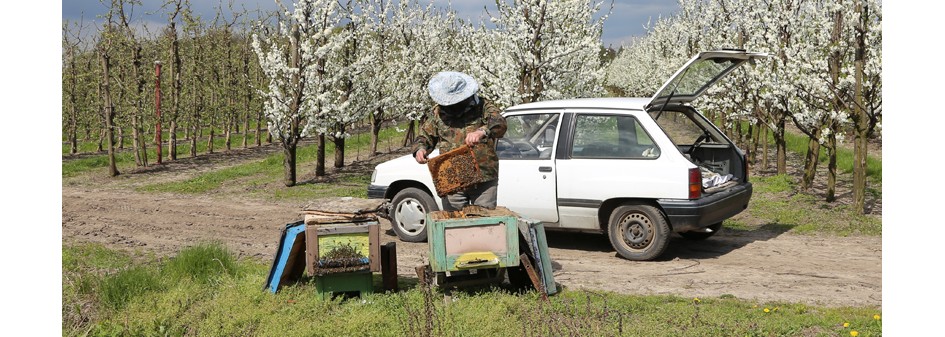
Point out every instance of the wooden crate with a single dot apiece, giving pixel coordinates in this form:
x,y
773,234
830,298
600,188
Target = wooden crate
x,y
455,170
474,238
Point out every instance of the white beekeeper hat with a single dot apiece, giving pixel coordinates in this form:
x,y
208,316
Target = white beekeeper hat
x,y
450,87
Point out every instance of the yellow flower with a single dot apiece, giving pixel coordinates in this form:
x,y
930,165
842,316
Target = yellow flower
x,y
767,310
876,317
846,325
696,300
854,333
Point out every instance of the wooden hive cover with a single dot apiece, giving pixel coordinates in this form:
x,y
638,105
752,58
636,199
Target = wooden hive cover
x,y
454,171
340,210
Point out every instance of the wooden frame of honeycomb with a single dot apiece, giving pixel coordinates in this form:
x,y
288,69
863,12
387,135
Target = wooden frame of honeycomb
x,y
454,171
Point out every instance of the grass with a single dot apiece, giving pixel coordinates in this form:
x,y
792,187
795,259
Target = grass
x,y
91,160
235,303
797,143
775,201
269,172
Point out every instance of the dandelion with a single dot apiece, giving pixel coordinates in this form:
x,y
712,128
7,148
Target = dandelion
x,y
854,333
767,310
876,317
846,325
696,300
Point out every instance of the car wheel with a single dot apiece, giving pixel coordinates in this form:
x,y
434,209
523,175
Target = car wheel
x,y
408,214
638,232
702,235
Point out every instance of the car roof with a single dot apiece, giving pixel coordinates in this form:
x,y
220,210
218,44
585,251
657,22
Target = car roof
x,y
625,103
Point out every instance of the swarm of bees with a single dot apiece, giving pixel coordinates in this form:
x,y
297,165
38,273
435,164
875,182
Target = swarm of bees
x,y
343,258
454,171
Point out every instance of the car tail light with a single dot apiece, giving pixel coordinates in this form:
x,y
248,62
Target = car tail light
x,y
695,183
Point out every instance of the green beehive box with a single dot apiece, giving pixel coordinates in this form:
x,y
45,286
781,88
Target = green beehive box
x,y
473,238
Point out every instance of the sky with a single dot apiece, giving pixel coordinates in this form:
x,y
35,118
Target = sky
x,y
912,131
625,21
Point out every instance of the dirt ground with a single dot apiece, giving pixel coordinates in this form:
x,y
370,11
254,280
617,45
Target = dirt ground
x,y
761,264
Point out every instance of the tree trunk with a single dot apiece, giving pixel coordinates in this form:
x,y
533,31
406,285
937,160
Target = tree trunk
x,y
101,135
135,143
121,138
259,129
831,167
320,156
409,136
109,113
339,143
213,103
810,162
73,126
764,148
195,114
73,110
781,146
376,122
288,162
246,114
861,120
137,135
259,121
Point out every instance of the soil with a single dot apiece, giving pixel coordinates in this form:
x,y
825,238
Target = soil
x,y
764,264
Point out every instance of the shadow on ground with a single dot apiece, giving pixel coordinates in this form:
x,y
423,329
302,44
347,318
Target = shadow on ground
x,y
727,240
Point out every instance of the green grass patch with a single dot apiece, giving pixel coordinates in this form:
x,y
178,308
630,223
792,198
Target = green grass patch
x,y
269,172
237,304
93,161
797,143
120,288
774,199
202,263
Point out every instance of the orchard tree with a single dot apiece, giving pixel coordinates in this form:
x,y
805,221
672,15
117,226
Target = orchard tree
x,y
293,60
175,9
106,46
541,50
134,79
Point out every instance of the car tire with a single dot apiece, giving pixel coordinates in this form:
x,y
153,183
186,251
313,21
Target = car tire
x,y
408,214
638,232
697,236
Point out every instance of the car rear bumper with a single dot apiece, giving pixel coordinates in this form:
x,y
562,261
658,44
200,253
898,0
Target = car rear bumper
x,y
687,215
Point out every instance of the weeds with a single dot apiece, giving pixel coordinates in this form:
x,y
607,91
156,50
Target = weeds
x,y
202,263
142,298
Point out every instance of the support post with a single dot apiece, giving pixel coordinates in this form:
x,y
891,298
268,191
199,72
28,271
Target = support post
x,y
157,109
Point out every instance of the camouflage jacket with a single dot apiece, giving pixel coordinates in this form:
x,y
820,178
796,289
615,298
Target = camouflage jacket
x,y
439,131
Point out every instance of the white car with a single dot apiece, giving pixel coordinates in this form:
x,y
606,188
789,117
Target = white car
x,y
636,169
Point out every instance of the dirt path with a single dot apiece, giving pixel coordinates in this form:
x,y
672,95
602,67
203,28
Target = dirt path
x,y
758,264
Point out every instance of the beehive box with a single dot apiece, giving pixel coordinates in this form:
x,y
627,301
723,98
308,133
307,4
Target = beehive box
x,y
342,248
455,170
473,238
341,237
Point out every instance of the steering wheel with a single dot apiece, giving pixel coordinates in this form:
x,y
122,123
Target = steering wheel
x,y
527,149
